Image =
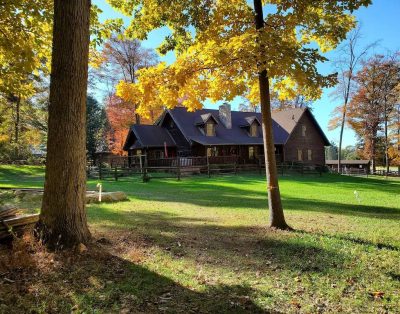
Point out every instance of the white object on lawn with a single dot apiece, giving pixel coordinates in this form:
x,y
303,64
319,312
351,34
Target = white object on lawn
x,y
99,186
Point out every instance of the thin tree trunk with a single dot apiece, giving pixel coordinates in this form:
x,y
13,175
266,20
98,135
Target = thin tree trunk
x,y
373,154
132,77
16,124
63,216
137,116
386,140
341,139
398,133
277,218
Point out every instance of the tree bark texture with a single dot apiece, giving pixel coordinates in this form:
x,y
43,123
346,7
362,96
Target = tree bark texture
x,y
277,218
63,216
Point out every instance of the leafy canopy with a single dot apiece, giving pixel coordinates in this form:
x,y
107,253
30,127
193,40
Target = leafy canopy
x,y
219,52
25,42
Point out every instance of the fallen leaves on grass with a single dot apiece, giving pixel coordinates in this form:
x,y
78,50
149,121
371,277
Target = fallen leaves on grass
x,y
377,294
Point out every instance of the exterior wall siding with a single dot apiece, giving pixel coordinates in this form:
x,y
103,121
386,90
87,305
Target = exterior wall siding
x,y
311,141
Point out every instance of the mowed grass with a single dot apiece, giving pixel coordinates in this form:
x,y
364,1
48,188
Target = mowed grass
x,y
202,245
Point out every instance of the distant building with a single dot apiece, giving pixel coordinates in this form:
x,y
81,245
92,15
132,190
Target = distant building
x,y
349,165
178,132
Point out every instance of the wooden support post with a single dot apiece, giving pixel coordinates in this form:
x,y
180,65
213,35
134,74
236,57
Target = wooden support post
x,y
116,173
178,168
208,167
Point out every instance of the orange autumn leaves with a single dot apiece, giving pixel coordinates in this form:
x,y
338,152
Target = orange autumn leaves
x,y
121,116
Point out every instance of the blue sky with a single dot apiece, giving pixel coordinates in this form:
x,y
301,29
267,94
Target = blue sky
x,y
380,21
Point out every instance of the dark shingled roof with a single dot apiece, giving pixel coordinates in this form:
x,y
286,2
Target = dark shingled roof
x,y
148,136
284,123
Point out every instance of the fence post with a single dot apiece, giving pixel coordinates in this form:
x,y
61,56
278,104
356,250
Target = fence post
x,y
116,173
145,179
259,166
178,168
235,167
208,167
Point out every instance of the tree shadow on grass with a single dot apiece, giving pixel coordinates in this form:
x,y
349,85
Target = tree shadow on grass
x,y
97,281
356,240
204,241
360,210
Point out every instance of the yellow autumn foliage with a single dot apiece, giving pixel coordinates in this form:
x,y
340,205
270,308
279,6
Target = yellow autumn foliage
x,y
219,52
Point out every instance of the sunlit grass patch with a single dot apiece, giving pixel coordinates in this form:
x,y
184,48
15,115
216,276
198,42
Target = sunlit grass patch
x,y
202,245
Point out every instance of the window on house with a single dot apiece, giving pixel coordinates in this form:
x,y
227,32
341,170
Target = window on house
x,y
309,154
210,129
299,155
303,130
251,152
212,151
253,130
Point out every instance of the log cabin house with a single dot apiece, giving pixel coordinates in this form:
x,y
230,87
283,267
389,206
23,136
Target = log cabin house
x,y
222,132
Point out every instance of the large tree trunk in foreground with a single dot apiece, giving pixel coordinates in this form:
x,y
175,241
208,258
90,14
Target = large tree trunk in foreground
x,y
63,217
277,218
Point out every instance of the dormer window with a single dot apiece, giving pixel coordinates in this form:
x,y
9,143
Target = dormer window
x,y
206,124
210,128
253,129
250,126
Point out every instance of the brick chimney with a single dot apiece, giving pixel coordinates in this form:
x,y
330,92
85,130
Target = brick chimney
x,y
225,115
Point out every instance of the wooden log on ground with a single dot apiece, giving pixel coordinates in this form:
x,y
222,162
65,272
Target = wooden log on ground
x,y
16,225
21,220
7,211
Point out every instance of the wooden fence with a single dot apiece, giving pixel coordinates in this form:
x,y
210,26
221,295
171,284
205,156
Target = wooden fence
x,y
178,167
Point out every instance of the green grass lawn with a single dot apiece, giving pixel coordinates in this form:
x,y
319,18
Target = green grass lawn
x,y
201,245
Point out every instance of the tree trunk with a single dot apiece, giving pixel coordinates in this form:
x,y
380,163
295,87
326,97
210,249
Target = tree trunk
x,y
373,154
63,216
386,140
17,122
341,139
132,77
277,218
137,117
398,133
